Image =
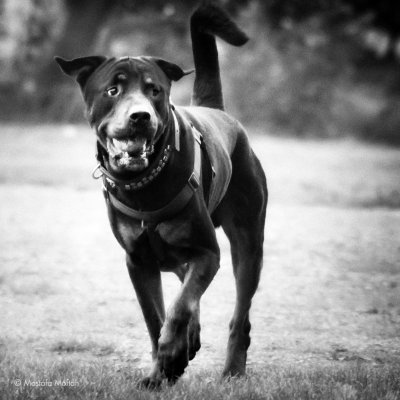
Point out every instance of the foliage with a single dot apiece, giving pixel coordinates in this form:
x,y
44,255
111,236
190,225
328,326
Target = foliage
x,y
29,29
311,78
376,22
382,13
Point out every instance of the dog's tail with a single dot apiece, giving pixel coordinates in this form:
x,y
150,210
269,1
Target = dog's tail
x,y
206,22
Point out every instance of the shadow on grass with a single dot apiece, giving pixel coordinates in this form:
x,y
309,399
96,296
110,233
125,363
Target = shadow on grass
x,y
74,346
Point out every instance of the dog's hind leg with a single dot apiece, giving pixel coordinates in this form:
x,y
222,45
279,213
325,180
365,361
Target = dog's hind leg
x,y
242,216
147,283
247,263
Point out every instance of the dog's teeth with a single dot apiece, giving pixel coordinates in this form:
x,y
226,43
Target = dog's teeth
x,y
119,144
126,150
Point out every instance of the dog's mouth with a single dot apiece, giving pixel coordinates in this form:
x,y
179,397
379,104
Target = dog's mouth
x,y
129,154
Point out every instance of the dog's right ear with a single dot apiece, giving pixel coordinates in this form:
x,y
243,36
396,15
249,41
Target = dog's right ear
x,y
173,71
80,68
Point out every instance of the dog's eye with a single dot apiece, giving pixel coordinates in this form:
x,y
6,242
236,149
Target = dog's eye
x,y
155,92
112,91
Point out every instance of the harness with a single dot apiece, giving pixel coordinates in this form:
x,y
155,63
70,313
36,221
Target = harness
x,y
176,204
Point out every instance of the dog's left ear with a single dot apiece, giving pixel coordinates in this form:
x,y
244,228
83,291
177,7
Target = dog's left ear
x,y
174,72
80,68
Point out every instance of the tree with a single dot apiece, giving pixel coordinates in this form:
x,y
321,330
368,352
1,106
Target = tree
x,y
363,15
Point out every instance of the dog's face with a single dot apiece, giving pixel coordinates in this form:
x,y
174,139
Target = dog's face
x,y
127,103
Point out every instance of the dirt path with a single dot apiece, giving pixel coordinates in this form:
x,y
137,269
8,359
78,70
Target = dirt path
x,y
330,290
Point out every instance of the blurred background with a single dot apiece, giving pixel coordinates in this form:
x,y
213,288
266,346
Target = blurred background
x,y
321,68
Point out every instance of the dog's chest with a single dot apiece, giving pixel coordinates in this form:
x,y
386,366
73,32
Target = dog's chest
x,y
166,242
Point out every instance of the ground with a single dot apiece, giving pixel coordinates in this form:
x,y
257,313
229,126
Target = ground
x,y
329,294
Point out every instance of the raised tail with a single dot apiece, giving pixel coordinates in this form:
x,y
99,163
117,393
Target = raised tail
x,y
208,21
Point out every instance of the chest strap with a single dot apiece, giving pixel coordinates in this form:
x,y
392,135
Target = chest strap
x,y
177,203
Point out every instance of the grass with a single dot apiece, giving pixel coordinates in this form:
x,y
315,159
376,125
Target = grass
x,y
102,380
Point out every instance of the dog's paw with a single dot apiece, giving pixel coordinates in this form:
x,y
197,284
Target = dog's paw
x,y
149,383
235,364
173,355
233,371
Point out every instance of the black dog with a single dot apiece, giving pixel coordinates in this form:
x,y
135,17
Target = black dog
x,y
171,176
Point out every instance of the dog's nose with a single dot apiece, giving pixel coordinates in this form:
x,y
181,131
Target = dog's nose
x,y
141,116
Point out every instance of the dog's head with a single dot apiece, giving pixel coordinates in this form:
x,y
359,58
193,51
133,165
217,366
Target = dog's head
x,y
127,103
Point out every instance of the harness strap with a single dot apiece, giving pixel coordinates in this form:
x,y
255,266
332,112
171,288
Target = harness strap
x,y
177,131
177,203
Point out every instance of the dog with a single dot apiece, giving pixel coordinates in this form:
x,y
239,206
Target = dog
x,y
171,176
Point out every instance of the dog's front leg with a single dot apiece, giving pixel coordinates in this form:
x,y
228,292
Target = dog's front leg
x,y
173,345
194,323
146,280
